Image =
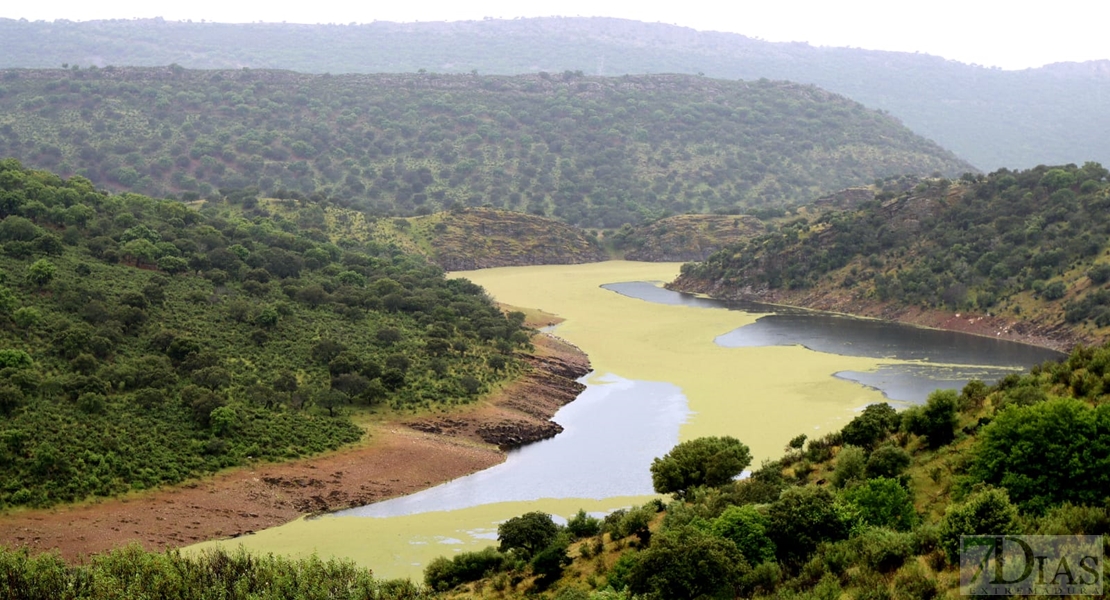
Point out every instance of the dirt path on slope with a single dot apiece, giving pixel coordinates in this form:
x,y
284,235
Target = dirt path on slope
x,y
400,457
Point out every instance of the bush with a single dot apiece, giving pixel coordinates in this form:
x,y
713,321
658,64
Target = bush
x,y
710,461
1046,454
884,550
887,461
987,512
911,583
443,574
548,563
872,425
883,502
801,518
747,528
936,421
527,534
583,525
688,563
635,522
851,463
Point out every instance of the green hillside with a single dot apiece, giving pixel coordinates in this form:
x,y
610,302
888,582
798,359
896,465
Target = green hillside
x,y
143,342
1029,245
993,118
875,510
594,152
683,238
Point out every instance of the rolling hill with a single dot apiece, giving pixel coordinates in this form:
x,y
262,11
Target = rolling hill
x,y
594,152
993,118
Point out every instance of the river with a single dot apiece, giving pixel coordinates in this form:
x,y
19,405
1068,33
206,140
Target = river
x,y
667,367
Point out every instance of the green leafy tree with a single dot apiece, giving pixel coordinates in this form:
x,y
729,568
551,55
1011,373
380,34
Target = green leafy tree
x,y
1047,453
936,421
583,525
987,512
851,464
708,461
887,461
747,527
883,502
527,534
802,518
41,272
875,423
688,563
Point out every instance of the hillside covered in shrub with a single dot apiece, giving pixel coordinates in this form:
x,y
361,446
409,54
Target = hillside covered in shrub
x,y
143,341
992,117
875,510
592,151
1027,245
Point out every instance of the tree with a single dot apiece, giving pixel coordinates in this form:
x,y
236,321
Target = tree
x,y
41,272
708,461
872,425
851,462
936,421
883,502
527,534
803,517
1046,454
988,512
747,528
688,563
582,525
887,461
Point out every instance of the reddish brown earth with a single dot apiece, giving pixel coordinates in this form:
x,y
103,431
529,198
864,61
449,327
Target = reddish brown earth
x,y
400,457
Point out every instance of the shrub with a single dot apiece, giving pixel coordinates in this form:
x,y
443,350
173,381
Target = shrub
x,y
1047,453
887,461
583,525
911,583
710,461
872,425
801,518
443,574
883,502
850,466
884,550
527,534
747,528
987,512
936,421
688,563
548,563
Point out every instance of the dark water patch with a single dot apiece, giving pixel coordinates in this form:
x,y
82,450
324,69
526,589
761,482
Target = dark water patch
x,y
914,383
850,336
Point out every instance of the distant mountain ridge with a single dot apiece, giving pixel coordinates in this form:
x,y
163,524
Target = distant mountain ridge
x,y
591,151
993,118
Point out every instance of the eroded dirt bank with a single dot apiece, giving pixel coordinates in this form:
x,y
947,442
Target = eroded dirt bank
x,y
400,457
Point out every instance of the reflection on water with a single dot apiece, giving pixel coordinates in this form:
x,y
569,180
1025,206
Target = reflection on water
x,y
939,354
612,431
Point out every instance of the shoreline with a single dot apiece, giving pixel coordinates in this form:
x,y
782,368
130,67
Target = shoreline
x,y
399,457
1056,337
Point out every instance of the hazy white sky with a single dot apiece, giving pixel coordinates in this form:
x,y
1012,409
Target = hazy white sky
x,y
1007,34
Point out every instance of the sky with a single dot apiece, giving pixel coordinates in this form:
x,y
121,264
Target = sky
x,y
1004,34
